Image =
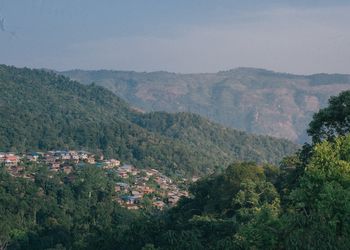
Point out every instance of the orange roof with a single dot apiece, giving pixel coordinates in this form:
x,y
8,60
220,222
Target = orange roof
x,y
11,158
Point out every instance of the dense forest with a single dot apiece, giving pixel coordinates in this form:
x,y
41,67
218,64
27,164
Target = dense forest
x,y
304,203
40,110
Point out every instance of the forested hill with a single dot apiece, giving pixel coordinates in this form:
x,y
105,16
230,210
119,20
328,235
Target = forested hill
x,y
253,100
40,110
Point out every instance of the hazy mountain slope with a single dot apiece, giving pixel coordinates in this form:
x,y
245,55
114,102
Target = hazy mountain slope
x,y
254,100
41,110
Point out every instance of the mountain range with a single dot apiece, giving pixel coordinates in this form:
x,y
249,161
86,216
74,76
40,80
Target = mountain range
x,y
254,100
41,110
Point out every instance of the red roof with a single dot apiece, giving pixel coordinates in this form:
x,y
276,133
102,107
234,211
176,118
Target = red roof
x,y
11,158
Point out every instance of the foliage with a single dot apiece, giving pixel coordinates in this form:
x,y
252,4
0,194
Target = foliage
x,y
302,204
246,206
333,120
60,213
42,111
319,214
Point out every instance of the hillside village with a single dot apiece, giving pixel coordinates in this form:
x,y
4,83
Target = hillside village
x,y
135,189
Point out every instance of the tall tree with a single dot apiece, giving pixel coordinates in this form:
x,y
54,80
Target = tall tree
x,y
333,120
318,216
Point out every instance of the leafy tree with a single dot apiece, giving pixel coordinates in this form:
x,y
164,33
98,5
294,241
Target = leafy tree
x,y
319,213
333,120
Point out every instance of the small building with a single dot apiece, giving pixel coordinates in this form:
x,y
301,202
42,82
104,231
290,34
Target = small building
x,y
127,168
136,194
11,160
123,174
159,204
83,155
129,199
91,160
121,186
147,190
32,157
112,163
173,199
55,167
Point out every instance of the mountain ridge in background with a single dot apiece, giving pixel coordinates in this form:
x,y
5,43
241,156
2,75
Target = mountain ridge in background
x,y
41,110
254,100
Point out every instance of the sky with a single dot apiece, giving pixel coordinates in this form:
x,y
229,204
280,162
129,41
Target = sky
x,y
187,36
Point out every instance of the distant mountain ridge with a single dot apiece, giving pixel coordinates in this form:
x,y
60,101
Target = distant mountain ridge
x,y
40,110
254,100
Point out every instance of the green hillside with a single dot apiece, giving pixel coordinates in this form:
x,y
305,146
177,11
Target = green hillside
x,y
254,100
40,111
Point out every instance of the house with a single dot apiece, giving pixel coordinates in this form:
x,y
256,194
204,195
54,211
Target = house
x,y
159,204
91,160
127,168
147,190
129,199
83,155
75,157
121,186
134,172
32,157
112,163
171,193
50,159
123,174
65,156
73,152
149,173
136,194
55,167
11,160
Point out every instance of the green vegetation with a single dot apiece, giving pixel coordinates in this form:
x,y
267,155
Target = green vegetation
x,y
42,111
253,100
247,206
56,212
302,204
333,120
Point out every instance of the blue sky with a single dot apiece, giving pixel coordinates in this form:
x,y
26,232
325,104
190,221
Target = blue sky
x,y
179,35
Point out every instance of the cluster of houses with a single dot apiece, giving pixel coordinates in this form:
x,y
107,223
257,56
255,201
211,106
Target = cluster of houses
x,y
158,188
135,185
59,160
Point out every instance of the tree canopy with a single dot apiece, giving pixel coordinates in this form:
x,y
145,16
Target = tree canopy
x,y
333,120
40,110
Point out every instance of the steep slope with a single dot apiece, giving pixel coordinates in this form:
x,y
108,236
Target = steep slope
x,y
40,110
253,100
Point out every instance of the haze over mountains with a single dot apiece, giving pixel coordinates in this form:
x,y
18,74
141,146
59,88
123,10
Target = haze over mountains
x,y
254,100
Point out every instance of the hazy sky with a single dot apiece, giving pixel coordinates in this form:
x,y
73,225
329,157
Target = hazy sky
x,y
177,35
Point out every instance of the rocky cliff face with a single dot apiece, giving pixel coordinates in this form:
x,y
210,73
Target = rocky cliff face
x,y
253,100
